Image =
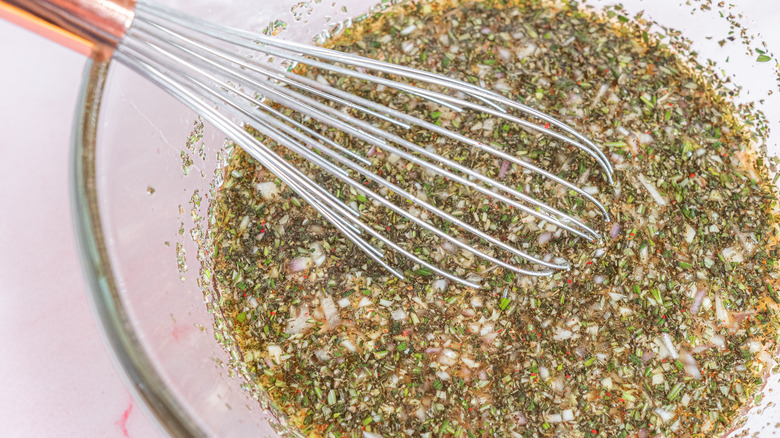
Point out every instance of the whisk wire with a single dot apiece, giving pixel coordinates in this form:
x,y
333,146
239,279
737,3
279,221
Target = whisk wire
x,y
192,67
562,220
250,41
295,147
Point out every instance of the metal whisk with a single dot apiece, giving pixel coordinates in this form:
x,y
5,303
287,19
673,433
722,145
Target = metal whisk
x,y
199,63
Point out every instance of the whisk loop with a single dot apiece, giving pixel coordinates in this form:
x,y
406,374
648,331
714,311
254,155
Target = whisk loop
x,y
195,61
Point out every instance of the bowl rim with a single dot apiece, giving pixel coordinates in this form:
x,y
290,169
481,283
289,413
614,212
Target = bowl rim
x,y
132,360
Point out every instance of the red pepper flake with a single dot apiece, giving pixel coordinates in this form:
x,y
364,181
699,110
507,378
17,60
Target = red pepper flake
x,y
546,126
594,431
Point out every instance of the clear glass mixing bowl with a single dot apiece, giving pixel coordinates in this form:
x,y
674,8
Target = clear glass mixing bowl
x,y
139,213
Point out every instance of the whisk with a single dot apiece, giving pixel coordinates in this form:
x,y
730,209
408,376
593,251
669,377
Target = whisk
x,y
216,71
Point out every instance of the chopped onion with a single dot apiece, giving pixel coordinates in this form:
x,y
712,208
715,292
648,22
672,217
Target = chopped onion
x,y
364,302
652,190
697,300
469,362
505,166
720,312
599,279
718,341
544,372
433,350
321,355
300,323
442,375
474,278
732,254
448,357
476,301
504,54
408,29
554,418
420,413
298,264
385,303
349,345
567,415
331,312
520,418
244,222
615,231
644,138
398,314
448,246
490,338
372,435
544,237
664,414
439,285
344,302
268,190
562,335
501,84
690,233
317,254
690,366
667,343
603,89
275,351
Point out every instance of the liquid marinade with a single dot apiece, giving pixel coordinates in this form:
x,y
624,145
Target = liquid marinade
x,y
666,326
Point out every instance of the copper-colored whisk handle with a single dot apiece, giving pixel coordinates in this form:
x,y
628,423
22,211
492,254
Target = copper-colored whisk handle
x,y
91,27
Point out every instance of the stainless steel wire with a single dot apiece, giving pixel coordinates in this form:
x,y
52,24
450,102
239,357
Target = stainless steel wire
x,y
197,62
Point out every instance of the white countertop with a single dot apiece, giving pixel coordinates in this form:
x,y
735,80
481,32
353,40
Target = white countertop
x,y
56,372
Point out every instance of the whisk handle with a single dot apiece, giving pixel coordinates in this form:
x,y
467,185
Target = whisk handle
x,y
91,27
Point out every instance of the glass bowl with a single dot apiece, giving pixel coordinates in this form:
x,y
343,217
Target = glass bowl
x,y
144,175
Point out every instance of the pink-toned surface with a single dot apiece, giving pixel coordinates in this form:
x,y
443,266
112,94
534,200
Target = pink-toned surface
x,y
57,377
